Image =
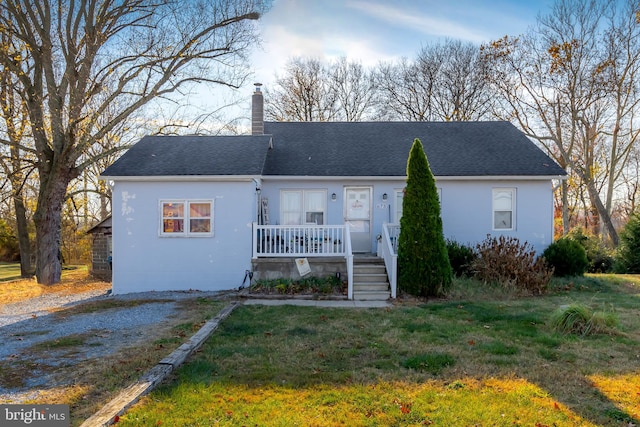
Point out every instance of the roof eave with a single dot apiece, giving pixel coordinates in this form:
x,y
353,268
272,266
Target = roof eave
x,y
192,178
179,178
404,178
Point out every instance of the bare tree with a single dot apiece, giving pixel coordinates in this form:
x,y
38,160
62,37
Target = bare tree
x,y
445,82
304,93
354,89
407,90
65,53
571,83
311,90
461,92
621,80
17,162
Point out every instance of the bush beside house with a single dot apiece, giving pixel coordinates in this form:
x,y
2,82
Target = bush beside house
x,y
507,262
567,257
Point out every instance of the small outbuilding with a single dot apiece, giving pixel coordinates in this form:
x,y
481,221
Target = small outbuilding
x,y
101,250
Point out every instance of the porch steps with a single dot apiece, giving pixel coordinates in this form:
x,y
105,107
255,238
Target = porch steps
x,y
370,281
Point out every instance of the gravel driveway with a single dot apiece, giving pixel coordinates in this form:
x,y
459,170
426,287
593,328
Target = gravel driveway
x,y
42,319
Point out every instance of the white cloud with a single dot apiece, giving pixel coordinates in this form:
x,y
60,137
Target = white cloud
x,y
430,25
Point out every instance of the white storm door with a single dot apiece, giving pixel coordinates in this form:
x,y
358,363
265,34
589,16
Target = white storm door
x,y
357,213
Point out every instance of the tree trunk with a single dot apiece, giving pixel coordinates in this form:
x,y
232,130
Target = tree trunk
x,y
566,226
602,213
48,220
23,237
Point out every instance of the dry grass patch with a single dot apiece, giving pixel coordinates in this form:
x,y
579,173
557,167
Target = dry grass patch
x,y
87,384
623,389
107,304
73,281
465,402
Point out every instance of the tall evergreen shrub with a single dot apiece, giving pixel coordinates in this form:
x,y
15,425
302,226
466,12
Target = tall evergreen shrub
x,y
628,255
423,263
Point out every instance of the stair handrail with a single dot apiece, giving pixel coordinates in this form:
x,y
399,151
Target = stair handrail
x,y
390,257
348,254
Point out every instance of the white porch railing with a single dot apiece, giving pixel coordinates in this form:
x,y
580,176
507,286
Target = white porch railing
x,y
389,252
305,241
298,240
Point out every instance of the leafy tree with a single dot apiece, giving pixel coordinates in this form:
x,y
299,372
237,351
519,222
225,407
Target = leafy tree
x,y
9,250
423,264
628,256
76,61
600,257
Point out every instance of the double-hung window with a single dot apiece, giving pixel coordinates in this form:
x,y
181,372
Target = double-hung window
x,y
299,207
504,202
186,218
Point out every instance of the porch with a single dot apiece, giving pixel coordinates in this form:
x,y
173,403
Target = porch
x,y
328,251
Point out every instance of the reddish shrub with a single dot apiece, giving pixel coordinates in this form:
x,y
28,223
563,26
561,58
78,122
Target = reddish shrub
x,y
507,262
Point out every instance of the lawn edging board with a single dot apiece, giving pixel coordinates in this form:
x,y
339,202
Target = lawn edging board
x,y
130,395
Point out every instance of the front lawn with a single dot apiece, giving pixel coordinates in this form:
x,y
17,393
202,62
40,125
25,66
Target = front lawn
x,y
478,358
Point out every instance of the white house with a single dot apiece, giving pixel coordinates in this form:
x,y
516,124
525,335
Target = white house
x,y
200,212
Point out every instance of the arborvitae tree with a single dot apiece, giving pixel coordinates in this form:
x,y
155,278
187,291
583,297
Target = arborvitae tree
x,y
423,263
628,256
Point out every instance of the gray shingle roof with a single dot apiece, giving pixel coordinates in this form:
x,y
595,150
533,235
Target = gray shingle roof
x,y
342,149
192,155
382,149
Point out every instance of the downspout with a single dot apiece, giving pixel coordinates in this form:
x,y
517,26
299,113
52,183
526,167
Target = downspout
x,y
258,200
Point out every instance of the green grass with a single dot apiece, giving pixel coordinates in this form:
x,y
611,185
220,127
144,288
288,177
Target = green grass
x,y
9,271
482,360
62,342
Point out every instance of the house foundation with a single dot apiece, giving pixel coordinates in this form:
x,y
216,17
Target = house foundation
x,y
286,268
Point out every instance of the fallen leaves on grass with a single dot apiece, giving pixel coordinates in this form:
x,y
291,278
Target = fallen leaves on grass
x,y
73,281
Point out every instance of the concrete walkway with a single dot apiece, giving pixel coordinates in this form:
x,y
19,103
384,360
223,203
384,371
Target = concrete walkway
x,y
320,303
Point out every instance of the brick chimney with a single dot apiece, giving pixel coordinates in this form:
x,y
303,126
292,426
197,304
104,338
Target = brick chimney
x,y
257,111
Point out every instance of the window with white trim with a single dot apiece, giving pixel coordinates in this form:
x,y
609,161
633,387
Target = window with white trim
x,y
299,207
504,208
186,218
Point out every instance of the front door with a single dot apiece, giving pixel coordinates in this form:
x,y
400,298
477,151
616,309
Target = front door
x,y
357,213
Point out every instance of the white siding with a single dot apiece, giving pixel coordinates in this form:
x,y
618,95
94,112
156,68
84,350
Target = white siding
x,y
467,213
144,261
